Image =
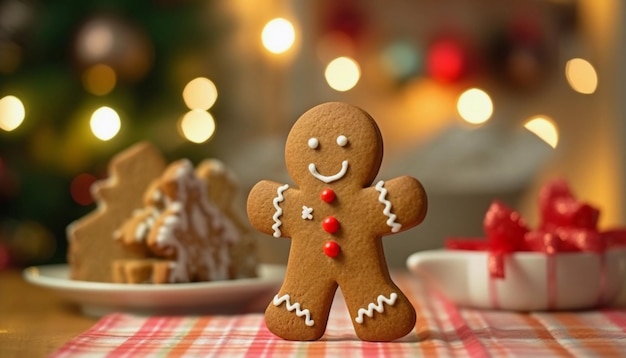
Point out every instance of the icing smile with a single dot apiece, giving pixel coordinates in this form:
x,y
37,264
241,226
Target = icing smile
x,y
330,178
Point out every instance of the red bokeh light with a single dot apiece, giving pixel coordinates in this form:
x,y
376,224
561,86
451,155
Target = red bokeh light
x,y
446,61
5,257
80,188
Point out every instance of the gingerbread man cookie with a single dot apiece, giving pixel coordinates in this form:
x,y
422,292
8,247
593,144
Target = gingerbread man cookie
x,y
336,219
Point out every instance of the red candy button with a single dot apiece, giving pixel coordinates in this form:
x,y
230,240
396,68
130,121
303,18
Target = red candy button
x,y
328,195
332,249
330,224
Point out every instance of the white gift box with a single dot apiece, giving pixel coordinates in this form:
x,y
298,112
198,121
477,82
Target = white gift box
x,y
533,281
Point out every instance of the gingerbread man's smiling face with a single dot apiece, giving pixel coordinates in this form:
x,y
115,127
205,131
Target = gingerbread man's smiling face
x,y
334,144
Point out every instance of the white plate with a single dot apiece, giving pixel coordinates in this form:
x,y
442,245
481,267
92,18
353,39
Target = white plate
x,y
98,298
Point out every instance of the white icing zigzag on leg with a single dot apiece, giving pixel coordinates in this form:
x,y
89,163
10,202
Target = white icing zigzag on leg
x,y
296,306
391,221
279,211
369,312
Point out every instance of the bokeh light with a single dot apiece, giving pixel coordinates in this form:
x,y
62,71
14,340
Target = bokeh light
x,y
105,123
99,79
342,74
5,257
545,128
475,106
446,60
80,188
278,35
401,59
97,40
117,41
32,242
11,56
200,93
12,113
197,126
581,76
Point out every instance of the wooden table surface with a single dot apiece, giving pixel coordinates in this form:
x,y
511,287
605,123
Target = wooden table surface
x,y
34,321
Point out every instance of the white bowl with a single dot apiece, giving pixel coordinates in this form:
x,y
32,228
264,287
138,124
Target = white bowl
x,y
574,281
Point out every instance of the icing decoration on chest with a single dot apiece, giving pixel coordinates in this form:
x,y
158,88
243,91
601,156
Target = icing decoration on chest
x,y
331,249
277,301
378,307
330,224
306,213
328,195
382,198
279,211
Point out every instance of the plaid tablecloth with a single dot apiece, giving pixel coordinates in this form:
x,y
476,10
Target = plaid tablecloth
x,y
442,330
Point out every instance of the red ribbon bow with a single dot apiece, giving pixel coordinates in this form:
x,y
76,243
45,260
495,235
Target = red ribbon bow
x,y
567,225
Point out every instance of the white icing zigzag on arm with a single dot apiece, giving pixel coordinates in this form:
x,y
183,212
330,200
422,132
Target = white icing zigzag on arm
x,y
296,306
391,222
279,211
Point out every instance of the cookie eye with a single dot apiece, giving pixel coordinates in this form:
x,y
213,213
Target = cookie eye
x,y
313,143
342,140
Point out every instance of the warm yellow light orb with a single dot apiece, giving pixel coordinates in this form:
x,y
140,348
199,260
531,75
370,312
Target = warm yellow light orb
x,y
197,126
544,128
105,123
278,35
99,79
475,106
200,93
342,74
12,113
581,76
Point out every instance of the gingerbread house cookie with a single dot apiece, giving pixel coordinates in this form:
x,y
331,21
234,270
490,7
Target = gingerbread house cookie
x,y
190,236
162,224
91,249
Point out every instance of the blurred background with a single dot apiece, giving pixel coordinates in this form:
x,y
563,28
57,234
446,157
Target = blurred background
x,y
478,99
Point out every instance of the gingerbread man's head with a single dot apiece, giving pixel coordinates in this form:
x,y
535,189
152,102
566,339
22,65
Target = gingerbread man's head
x,y
334,144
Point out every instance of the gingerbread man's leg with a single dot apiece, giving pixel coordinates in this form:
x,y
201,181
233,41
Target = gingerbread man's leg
x,y
300,310
378,309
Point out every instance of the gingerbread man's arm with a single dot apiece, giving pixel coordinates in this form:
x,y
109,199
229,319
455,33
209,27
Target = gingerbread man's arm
x,y
266,208
400,203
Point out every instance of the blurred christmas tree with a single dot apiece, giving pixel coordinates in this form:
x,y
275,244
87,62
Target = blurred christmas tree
x,y
62,60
